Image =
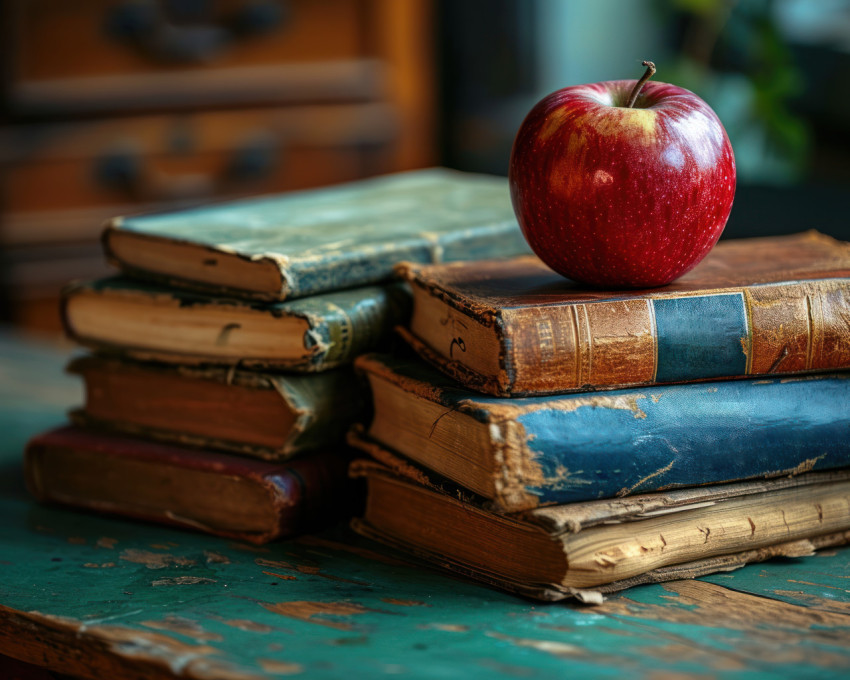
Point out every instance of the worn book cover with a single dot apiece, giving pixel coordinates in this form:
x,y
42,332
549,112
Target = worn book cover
x,y
151,322
227,495
305,243
526,452
764,306
586,549
263,414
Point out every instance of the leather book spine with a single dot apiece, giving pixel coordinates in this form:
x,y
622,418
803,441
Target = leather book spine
x,y
302,494
556,449
775,329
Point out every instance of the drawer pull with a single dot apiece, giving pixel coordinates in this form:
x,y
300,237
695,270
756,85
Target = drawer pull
x,y
120,170
124,170
254,160
187,31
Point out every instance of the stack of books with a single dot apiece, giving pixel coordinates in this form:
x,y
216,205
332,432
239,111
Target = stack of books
x,y
218,383
558,441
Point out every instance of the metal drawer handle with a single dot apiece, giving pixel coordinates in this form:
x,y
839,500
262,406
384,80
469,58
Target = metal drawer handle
x,y
124,169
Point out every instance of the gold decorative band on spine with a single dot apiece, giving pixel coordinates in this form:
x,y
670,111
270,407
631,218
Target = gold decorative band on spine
x,y
654,333
747,342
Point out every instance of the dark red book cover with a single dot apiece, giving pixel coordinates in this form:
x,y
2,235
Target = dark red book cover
x,y
243,498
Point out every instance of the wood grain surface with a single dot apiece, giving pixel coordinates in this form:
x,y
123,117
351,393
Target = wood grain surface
x,y
97,597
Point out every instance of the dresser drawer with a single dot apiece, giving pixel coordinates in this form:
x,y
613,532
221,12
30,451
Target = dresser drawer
x,y
121,106
57,39
195,157
101,57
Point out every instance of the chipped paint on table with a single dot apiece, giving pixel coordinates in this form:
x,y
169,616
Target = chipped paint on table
x,y
101,597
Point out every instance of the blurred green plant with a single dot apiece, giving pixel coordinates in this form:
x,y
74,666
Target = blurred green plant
x,y
733,55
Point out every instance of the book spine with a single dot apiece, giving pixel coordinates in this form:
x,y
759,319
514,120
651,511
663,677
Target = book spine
x,y
759,330
338,325
313,491
350,323
323,405
326,405
298,492
611,444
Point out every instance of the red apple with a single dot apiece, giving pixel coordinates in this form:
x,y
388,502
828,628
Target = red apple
x,y
622,196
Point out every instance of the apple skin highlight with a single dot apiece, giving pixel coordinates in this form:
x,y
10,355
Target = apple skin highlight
x,y
622,197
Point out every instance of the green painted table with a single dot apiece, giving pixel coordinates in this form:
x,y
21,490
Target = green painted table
x,y
102,598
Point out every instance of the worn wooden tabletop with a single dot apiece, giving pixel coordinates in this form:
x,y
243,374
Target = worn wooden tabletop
x,y
105,598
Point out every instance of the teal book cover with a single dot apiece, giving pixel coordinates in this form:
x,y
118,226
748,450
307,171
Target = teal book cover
x,y
527,452
305,243
151,322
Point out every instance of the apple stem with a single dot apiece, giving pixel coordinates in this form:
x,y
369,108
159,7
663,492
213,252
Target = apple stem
x,y
650,71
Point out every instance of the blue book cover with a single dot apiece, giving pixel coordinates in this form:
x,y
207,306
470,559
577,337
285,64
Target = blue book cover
x,y
527,452
304,243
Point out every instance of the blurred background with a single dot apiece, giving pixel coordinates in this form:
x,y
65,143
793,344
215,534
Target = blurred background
x,y
111,107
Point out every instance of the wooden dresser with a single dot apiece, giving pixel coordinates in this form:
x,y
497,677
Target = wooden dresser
x,y
122,106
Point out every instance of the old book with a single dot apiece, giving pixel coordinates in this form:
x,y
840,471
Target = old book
x,y
586,549
525,452
775,305
227,495
152,322
298,244
262,414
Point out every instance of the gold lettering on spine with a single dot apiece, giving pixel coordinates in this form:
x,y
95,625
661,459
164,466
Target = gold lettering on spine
x,y
544,347
545,340
600,344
